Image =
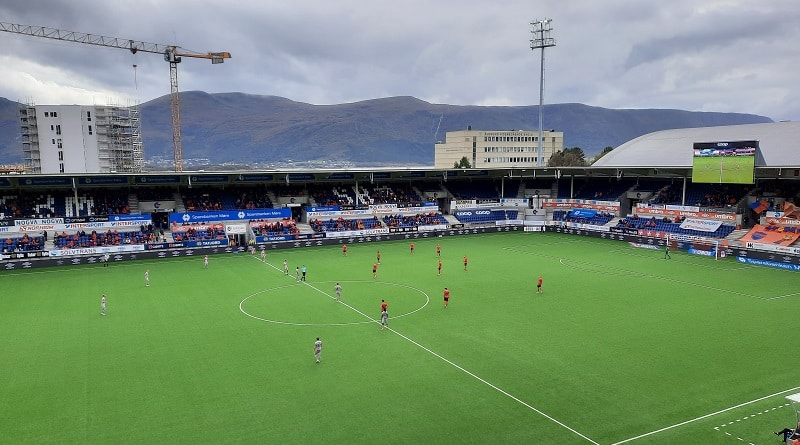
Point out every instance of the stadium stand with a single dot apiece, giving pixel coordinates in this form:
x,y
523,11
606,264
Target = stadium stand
x,y
600,219
81,239
341,224
25,243
665,225
477,216
420,219
284,226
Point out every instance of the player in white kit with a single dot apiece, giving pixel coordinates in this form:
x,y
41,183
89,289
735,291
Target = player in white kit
x,y
103,305
318,349
338,290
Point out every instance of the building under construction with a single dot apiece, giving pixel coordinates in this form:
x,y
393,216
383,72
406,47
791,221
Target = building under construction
x,y
81,138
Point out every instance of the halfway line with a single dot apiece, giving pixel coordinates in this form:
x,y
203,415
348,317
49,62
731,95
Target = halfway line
x,y
460,368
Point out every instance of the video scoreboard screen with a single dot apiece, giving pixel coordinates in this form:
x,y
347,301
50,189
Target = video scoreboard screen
x,y
724,162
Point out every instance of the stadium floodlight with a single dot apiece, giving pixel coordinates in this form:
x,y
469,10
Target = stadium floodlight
x,y
541,40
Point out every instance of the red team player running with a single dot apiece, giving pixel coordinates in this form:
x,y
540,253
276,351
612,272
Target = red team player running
x,y
344,250
539,285
412,247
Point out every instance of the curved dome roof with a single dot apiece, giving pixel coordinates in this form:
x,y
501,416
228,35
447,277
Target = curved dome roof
x,y
779,145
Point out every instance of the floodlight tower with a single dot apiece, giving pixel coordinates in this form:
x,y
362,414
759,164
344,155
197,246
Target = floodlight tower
x,y
541,39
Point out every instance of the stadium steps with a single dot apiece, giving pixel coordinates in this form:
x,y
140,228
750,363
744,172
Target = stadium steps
x,y
180,207
736,234
133,203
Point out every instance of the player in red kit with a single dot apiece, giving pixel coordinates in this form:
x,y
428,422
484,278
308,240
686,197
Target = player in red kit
x,y
446,296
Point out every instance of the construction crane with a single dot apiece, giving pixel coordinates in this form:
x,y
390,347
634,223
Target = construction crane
x,y
172,54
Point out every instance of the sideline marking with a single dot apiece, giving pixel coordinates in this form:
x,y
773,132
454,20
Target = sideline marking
x,y
705,416
645,275
460,368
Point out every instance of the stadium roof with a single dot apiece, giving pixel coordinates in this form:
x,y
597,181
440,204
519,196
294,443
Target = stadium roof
x,y
779,145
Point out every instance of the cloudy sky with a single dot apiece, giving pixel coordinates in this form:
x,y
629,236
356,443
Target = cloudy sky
x,y
701,55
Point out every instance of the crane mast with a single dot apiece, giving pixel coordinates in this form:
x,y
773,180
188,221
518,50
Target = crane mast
x,y
172,54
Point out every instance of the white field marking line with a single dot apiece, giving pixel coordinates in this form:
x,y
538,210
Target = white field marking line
x,y
496,388
693,264
460,368
751,416
705,416
241,304
645,275
783,296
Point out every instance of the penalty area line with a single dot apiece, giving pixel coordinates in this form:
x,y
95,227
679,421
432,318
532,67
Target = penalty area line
x,y
686,422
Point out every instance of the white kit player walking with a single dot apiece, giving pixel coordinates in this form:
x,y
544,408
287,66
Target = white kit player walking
x,y
264,255
318,349
285,268
103,305
205,262
338,290
147,278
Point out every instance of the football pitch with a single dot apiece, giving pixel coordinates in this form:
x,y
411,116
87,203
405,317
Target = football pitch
x,y
622,346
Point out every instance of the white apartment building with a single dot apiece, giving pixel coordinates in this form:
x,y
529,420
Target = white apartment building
x,y
81,139
495,149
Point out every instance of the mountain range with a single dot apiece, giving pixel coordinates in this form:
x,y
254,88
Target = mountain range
x,y
270,130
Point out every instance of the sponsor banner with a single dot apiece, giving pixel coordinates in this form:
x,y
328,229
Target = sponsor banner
x,y
277,238
5,182
207,179
768,263
253,178
605,206
645,246
5,229
322,209
48,181
773,234
701,225
583,213
625,230
686,213
37,221
30,226
434,228
784,221
774,248
383,208
177,228
130,217
85,219
235,229
97,250
229,215
103,180
155,246
338,213
514,202
300,177
340,176
6,222
169,179
533,228
463,213
404,229
349,233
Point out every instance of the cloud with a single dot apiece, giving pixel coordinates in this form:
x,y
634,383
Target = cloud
x,y
715,55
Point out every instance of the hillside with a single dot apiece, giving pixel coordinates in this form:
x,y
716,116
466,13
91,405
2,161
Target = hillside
x,y
244,128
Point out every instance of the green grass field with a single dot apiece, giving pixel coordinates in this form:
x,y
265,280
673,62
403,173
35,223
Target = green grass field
x,y
723,169
621,344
